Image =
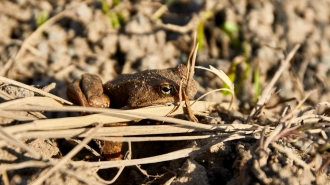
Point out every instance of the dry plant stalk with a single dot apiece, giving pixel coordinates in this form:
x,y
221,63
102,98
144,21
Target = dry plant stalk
x,y
189,77
183,92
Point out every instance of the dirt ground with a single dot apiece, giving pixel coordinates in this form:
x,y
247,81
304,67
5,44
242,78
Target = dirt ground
x,y
277,131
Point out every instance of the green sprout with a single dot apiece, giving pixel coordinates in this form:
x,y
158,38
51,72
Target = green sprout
x,y
42,18
231,29
200,35
116,19
257,85
200,28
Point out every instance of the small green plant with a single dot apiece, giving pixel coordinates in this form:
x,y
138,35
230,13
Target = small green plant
x,y
116,19
200,28
231,29
200,35
42,18
257,85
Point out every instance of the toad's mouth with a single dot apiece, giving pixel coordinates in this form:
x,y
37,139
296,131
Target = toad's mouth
x,y
170,103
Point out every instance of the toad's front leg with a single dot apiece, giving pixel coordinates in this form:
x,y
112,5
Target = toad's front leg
x,y
88,91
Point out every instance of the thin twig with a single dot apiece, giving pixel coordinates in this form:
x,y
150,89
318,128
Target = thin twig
x,y
49,87
5,178
95,153
190,75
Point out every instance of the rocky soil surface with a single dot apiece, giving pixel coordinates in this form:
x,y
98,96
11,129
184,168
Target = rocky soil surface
x,y
48,41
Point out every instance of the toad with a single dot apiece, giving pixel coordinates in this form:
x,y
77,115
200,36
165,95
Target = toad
x,y
129,91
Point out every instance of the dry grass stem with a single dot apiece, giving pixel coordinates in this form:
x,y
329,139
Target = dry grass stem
x,y
5,178
116,116
190,75
28,87
160,158
9,114
225,79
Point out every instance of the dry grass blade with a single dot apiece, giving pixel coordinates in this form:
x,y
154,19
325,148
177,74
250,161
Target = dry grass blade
x,y
9,81
15,116
221,75
110,131
160,158
156,138
37,101
190,75
225,79
6,96
191,53
28,116
115,116
143,130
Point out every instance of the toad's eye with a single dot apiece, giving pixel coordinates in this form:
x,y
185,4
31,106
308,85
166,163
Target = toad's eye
x,y
166,88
